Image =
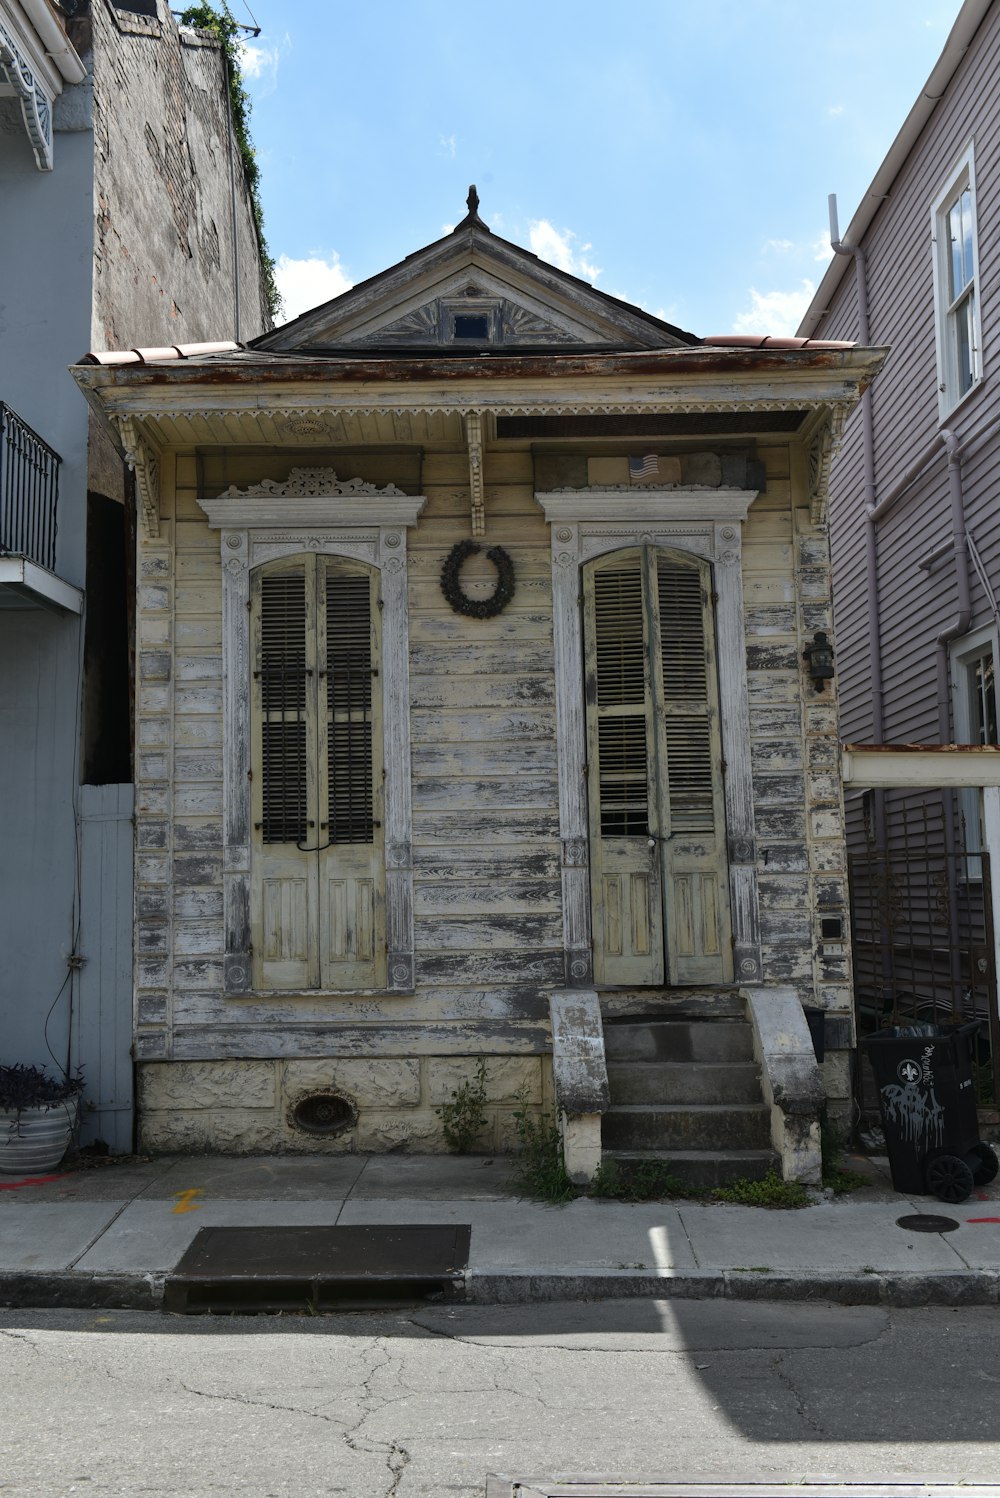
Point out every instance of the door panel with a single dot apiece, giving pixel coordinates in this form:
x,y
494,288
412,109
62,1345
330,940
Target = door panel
x,y
659,874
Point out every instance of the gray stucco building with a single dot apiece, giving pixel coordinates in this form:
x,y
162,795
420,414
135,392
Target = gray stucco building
x,y
126,221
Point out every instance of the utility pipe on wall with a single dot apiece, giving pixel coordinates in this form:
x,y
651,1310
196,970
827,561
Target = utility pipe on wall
x,y
868,476
960,624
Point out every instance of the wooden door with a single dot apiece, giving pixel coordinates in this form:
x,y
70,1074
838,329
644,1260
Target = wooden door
x,y
659,878
317,894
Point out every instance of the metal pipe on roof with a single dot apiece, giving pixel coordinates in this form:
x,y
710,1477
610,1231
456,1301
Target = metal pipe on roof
x,y
960,38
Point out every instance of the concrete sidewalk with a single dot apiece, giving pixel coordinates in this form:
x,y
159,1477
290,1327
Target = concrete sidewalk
x,y
108,1235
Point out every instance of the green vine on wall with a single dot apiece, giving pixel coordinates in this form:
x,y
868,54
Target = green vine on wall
x,y
219,23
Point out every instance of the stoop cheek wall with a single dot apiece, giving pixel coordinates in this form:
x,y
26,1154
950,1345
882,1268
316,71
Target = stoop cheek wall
x,y
225,1073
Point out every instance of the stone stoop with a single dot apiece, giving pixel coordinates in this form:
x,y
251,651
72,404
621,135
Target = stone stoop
x,y
686,1092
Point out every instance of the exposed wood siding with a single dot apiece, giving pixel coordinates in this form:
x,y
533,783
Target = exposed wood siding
x,y
486,854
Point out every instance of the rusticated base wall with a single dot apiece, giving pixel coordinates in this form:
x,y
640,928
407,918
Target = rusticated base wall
x,y
246,1107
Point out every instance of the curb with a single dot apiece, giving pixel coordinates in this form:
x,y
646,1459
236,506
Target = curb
x,y
144,1292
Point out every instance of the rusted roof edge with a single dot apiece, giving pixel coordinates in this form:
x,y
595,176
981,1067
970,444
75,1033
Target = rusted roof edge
x,y
217,369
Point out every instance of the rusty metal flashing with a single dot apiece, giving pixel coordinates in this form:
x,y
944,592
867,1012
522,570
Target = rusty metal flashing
x,y
244,368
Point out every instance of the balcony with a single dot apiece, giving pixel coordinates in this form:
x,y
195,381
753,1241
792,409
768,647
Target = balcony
x,y
29,501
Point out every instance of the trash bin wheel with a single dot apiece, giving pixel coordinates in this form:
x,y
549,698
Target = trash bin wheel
x,y
948,1178
982,1161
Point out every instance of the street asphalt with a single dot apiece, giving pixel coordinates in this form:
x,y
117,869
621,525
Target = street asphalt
x,y
107,1234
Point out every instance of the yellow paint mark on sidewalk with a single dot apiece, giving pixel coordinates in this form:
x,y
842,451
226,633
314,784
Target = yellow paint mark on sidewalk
x,y
186,1200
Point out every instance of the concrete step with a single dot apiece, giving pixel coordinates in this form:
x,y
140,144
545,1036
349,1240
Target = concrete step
x,y
698,1168
644,1126
672,1003
684,1082
678,1040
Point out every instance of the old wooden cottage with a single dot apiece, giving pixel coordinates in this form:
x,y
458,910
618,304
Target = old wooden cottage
x,y
476,717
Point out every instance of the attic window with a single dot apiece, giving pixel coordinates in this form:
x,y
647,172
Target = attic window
x,y
471,325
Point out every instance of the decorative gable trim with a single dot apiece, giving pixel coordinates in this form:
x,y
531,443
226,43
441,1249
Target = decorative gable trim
x,y
501,271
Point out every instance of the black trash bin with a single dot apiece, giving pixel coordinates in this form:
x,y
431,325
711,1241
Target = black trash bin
x,y
928,1104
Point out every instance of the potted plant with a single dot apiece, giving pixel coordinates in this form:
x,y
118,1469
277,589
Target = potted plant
x,y
37,1117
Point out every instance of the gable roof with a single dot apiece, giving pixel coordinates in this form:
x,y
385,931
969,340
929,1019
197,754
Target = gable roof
x,y
496,293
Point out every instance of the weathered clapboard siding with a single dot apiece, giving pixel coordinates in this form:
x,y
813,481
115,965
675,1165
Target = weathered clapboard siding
x,y
485,828
483,729
915,606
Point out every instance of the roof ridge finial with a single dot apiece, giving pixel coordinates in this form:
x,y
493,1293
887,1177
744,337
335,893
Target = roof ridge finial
x,y
472,217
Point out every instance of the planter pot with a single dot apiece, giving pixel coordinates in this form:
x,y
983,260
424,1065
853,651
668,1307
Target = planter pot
x,y
34,1140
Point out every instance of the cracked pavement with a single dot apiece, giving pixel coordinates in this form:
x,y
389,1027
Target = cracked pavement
x,y
427,1402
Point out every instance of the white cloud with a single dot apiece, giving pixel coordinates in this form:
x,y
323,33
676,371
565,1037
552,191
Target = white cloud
x,y
259,62
774,312
447,145
821,250
777,246
833,110
557,247
308,283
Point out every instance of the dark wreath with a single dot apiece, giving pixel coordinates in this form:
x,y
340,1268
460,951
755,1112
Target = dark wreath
x,y
477,608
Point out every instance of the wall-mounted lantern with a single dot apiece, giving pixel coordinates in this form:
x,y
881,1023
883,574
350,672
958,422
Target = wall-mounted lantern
x,y
818,656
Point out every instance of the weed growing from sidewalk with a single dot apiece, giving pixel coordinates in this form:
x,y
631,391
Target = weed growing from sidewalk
x,y
462,1119
770,1191
650,1180
539,1160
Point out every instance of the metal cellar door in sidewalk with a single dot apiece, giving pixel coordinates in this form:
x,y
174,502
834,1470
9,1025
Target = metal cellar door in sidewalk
x,y
317,887
659,884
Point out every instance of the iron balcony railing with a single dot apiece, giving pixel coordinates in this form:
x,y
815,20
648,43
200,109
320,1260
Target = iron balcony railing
x,y
29,492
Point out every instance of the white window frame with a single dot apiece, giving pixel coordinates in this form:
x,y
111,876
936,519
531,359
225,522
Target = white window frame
x,y
592,522
964,654
946,315
314,511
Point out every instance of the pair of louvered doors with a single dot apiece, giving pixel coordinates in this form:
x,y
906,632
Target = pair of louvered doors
x,y
659,872
317,901
657,824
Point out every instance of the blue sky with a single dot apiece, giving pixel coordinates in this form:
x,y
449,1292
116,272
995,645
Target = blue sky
x,y
677,153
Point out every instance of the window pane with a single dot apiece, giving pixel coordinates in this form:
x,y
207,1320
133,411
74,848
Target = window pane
x,y
960,237
965,355
984,705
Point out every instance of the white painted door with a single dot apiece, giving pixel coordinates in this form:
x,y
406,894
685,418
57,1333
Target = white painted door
x,y
657,823
317,889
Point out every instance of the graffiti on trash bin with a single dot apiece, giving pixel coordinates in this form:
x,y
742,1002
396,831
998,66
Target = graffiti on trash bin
x,y
912,1105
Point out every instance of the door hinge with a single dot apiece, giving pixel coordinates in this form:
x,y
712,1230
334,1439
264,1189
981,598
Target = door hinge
x,y
586,770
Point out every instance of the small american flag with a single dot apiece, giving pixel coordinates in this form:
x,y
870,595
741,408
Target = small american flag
x,y
644,468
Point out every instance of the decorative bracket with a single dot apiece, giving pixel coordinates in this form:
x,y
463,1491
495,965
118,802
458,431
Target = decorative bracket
x,y
36,106
474,441
822,449
145,464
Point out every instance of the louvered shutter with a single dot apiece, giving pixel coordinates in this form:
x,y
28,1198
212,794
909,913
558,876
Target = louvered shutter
x,y
695,870
283,681
283,883
625,877
352,915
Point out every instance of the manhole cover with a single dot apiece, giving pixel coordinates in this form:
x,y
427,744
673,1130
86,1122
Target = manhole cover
x,y
927,1222
318,1268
